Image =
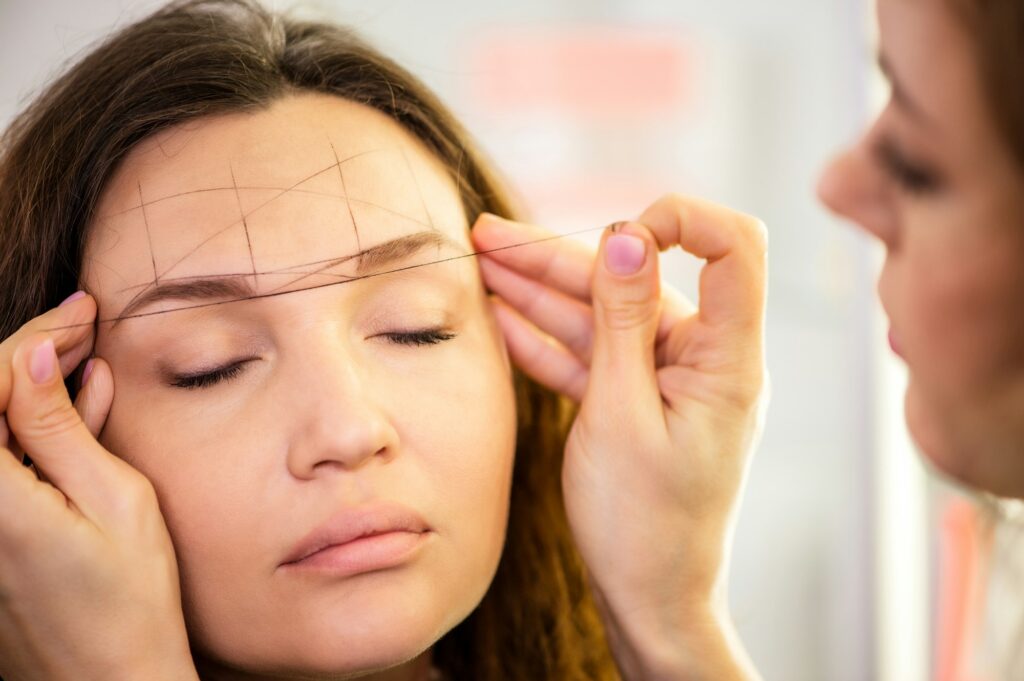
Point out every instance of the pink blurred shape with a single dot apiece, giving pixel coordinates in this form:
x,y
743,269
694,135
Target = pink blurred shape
x,y
613,74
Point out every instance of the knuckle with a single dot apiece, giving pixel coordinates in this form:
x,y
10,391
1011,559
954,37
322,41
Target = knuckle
x,y
754,231
136,494
748,394
53,419
672,198
626,313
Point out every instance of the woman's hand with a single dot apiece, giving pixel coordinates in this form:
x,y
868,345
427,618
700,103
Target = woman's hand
x,y
670,400
88,580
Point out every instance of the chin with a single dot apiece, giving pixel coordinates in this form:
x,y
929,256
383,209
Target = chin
x,y
326,657
929,431
969,452
337,641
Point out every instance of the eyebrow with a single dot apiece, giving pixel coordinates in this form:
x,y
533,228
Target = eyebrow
x,y
899,95
225,288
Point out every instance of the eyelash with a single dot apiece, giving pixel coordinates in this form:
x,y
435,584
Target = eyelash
x,y
911,176
226,373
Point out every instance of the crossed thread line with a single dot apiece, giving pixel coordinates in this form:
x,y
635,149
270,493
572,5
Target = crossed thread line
x,y
338,163
345,280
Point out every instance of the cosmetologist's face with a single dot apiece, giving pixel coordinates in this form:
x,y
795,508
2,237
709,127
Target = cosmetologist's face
x,y
935,183
261,418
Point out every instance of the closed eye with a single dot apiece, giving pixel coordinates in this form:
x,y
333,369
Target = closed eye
x,y
423,337
915,177
208,379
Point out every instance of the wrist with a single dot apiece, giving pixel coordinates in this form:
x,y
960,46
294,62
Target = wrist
x,y
174,664
692,640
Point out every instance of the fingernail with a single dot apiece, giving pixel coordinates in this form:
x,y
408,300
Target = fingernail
x,y
86,371
72,298
42,362
624,254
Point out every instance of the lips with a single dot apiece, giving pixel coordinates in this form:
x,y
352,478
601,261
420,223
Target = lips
x,y
894,343
356,523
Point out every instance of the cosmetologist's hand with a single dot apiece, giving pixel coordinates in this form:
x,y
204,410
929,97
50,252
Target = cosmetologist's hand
x,y
88,580
670,405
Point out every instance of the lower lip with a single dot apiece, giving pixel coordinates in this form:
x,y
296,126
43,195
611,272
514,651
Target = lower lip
x,y
376,552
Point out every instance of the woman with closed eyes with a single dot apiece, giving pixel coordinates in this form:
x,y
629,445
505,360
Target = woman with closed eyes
x,y
300,437
313,436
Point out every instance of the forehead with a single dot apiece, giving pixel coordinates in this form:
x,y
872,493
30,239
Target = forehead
x,y
310,179
930,53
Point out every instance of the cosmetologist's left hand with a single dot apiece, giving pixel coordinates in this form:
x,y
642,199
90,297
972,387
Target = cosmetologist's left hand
x,y
670,404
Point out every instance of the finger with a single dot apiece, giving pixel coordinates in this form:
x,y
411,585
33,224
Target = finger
x,y
627,307
732,284
17,484
564,264
566,319
72,330
45,423
567,267
95,396
5,433
540,356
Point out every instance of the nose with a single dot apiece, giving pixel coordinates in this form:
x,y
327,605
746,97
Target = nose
x,y
853,187
340,421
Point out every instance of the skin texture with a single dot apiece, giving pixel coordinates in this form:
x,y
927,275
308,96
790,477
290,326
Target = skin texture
x,y
952,284
331,412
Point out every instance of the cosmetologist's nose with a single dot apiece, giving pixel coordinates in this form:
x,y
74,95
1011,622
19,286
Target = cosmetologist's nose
x,y
852,187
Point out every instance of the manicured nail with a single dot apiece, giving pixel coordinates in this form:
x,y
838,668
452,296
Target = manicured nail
x,y
72,298
86,371
43,361
624,254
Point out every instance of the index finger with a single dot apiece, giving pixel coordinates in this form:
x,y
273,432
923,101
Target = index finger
x,y
537,253
72,329
732,283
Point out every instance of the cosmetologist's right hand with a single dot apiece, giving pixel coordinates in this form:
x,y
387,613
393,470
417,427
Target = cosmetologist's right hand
x,y
89,585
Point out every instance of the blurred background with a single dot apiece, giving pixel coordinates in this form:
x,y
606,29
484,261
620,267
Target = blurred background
x,y
594,108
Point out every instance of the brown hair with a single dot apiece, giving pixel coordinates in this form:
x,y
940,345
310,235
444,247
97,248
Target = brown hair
x,y
204,57
996,28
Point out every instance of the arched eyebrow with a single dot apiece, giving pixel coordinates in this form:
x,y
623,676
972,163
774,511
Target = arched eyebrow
x,y
900,95
233,287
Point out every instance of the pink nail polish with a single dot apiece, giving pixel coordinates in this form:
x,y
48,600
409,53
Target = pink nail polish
x,y
72,298
86,371
624,254
42,362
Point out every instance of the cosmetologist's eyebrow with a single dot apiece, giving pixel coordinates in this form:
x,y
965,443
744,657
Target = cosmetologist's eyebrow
x,y
899,94
234,287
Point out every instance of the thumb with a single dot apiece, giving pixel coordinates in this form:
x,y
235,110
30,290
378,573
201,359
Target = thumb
x,y
49,429
626,298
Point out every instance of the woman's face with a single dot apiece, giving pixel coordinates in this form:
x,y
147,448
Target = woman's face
x,y
259,420
935,183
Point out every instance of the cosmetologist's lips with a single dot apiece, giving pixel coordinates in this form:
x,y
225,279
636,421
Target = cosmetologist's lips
x,y
894,343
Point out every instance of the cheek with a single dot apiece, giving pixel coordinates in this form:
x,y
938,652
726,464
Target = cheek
x,y
205,477
957,313
462,428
